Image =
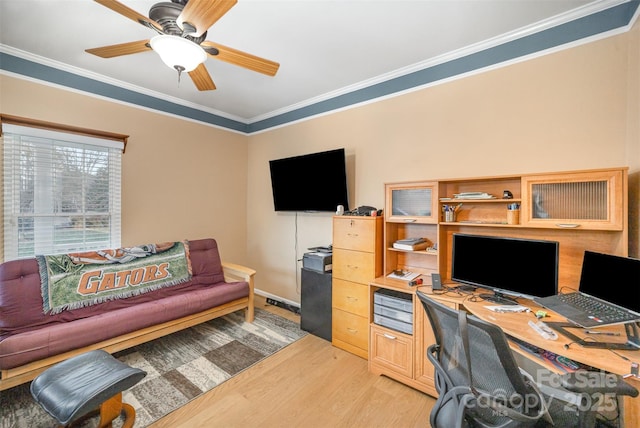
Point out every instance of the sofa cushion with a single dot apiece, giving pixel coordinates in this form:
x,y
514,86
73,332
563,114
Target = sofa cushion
x,y
206,263
56,338
21,299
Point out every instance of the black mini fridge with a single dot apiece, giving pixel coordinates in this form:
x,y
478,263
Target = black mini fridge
x,y
315,306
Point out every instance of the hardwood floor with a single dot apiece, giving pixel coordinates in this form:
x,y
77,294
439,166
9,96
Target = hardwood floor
x,y
308,384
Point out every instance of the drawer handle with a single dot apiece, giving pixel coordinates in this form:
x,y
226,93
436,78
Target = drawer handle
x,y
352,299
352,266
352,330
409,220
355,235
568,225
388,336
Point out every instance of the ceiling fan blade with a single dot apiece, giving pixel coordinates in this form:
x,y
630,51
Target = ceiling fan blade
x,y
121,49
202,79
202,14
242,59
130,13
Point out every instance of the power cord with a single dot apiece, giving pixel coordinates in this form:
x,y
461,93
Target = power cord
x,y
451,291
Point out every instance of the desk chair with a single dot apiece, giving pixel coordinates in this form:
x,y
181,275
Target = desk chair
x,y
480,384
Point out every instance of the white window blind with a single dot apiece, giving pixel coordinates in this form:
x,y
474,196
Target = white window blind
x,y
61,192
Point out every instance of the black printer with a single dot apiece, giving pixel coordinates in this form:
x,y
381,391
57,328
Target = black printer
x,y
317,261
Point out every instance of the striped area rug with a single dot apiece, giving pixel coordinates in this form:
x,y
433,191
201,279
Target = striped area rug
x,y
179,367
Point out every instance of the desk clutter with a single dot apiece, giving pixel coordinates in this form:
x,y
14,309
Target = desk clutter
x,y
403,275
564,364
411,244
543,330
508,308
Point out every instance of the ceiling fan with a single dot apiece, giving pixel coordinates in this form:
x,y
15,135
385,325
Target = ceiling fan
x,y
182,28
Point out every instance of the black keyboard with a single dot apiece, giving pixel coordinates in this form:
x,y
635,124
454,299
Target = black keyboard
x,y
602,310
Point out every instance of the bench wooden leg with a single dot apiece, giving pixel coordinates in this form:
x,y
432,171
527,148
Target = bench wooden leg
x,y
113,408
108,411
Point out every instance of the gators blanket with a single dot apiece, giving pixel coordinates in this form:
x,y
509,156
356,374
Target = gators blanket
x,y
75,280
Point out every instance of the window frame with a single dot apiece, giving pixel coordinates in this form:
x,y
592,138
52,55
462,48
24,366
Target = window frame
x,y
72,135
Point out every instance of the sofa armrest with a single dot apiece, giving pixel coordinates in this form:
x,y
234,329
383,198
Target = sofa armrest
x,y
235,272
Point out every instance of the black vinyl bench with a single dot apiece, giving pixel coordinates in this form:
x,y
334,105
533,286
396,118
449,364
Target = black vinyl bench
x,y
84,385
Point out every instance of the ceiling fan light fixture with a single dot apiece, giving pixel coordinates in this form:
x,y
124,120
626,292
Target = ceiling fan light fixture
x,y
178,53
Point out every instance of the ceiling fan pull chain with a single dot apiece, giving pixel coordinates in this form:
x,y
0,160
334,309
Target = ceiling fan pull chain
x,y
180,70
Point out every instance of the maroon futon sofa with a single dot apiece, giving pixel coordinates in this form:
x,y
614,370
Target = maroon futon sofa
x,y
31,341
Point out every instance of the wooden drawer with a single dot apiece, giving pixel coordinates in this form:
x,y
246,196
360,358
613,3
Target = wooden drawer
x,y
350,297
391,350
354,266
350,328
355,233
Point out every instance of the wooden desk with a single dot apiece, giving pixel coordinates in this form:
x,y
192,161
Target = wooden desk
x,y
516,325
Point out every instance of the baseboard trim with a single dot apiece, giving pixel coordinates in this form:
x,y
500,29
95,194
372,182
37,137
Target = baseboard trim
x,y
276,297
280,302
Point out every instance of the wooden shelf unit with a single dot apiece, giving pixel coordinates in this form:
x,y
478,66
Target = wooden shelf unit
x,y
415,215
602,229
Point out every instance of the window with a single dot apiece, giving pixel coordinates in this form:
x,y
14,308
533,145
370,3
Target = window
x,y
61,192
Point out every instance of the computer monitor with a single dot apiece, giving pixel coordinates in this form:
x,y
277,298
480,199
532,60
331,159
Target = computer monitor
x,y
615,279
509,267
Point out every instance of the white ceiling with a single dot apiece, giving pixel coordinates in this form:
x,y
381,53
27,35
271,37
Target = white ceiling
x,y
325,48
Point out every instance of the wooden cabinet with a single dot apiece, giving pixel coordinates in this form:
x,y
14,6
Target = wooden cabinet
x,y
414,209
484,205
399,355
585,200
357,260
581,210
591,199
392,351
415,202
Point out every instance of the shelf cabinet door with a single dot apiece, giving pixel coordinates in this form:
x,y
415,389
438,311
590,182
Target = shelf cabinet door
x,y
587,200
412,202
391,350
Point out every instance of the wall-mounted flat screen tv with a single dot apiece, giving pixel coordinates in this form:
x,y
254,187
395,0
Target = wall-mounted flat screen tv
x,y
311,182
508,267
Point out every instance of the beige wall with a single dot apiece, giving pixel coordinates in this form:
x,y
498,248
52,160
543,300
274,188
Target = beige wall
x,y
573,109
633,139
180,180
563,111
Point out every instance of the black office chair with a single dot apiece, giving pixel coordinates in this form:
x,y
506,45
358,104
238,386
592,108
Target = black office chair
x,y
479,383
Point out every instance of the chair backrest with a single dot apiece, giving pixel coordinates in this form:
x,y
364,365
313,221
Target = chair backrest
x,y
494,371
